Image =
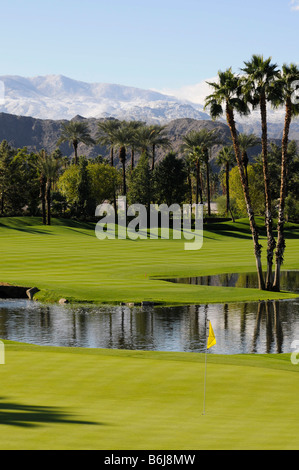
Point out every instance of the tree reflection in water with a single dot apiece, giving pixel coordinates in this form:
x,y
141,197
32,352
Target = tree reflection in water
x,y
270,311
240,328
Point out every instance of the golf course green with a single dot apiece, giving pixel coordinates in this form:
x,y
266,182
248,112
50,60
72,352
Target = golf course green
x,y
67,260
74,398
60,398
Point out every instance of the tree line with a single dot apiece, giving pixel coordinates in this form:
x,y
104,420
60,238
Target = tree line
x,y
41,183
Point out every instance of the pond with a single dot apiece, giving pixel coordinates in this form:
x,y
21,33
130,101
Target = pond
x,y
240,328
289,280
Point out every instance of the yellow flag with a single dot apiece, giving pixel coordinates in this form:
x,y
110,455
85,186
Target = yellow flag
x,y
211,338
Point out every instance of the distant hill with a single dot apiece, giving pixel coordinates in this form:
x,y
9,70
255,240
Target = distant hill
x,y
35,134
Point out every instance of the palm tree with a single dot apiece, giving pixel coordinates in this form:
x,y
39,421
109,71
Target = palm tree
x,y
226,159
132,129
143,139
226,98
198,144
189,167
123,139
287,79
247,141
159,139
75,132
106,135
192,147
258,89
209,139
48,167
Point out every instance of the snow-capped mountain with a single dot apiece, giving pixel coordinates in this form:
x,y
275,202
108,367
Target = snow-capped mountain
x,y
59,97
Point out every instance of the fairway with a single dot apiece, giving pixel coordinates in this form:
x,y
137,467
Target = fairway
x,y
73,398
66,260
56,398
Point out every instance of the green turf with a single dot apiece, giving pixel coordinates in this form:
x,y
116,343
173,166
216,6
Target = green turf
x,y
56,398
67,260
66,398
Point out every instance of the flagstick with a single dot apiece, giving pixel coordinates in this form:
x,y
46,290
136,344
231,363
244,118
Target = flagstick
x,y
209,343
205,381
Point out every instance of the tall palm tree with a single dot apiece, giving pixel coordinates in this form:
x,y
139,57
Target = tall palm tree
x,y
247,141
189,168
75,132
132,129
198,145
259,90
192,147
226,99
209,140
48,168
226,159
106,135
123,139
286,83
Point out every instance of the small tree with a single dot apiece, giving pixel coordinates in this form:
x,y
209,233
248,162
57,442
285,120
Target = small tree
x,y
85,202
49,168
170,180
226,159
140,183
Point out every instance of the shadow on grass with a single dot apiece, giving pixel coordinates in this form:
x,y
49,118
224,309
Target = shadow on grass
x,y
28,416
35,225
25,228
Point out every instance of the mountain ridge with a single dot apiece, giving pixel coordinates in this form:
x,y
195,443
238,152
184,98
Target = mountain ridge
x,y
60,97
37,134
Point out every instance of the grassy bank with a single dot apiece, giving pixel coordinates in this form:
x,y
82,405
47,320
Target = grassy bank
x,y
56,398
67,260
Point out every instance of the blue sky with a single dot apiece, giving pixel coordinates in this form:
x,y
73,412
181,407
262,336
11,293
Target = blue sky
x,y
148,44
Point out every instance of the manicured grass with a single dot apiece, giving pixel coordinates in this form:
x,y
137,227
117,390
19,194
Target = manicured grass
x,y
56,398
67,260
72,398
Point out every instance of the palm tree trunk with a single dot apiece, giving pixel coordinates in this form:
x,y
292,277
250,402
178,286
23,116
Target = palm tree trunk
x,y
190,186
48,201
208,189
253,227
43,198
75,144
124,179
122,159
245,163
227,189
153,160
111,156
197,182
132,159
114,191
268,210
280,248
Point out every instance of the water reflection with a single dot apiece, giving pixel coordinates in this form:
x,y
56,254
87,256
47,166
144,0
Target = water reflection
x,y
289,280
240,328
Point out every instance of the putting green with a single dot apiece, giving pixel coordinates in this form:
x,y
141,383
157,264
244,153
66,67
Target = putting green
x,y
56,398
